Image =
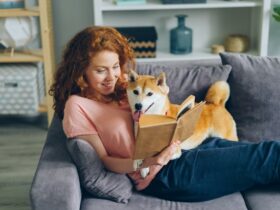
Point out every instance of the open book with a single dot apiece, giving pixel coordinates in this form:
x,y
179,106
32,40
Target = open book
x,y
155,132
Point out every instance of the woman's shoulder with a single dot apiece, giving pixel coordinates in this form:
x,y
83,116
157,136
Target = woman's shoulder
x,y
73,100
82,102
77,101
78,104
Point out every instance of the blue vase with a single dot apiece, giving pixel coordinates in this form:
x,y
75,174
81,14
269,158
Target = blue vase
x,y
181,37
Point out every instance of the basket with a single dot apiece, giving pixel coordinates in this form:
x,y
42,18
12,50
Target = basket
x,y
143,40
237,43
21,88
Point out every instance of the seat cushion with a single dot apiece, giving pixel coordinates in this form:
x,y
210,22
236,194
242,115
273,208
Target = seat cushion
x,y
255,95
94,178
139,202
266,198
186,79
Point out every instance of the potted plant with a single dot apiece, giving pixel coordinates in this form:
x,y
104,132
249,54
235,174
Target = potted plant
x,y
276,13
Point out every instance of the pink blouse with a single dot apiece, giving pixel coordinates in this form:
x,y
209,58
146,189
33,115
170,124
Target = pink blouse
x,y
112,123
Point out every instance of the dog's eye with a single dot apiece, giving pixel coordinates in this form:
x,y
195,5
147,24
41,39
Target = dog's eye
x,y
149,94
136,92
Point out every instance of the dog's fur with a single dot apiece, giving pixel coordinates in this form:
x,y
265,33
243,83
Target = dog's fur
x,y
215,120
149,95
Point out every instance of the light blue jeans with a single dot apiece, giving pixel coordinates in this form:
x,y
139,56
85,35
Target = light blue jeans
x,y
217,167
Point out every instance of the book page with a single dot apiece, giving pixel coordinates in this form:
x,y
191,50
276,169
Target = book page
x,y
186,123
187,104
147,120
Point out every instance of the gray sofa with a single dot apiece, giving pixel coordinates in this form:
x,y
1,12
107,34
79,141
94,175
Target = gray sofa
x,y
253,81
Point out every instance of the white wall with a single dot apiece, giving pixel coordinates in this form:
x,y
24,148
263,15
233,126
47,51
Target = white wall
x,y
274,35
69,17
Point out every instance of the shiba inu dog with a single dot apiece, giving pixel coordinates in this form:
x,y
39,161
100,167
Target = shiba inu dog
x,y
149,95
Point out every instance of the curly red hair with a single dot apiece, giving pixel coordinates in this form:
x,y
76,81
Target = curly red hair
x,y
77,56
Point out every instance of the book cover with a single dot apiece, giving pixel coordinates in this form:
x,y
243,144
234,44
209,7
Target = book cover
x,y
155,132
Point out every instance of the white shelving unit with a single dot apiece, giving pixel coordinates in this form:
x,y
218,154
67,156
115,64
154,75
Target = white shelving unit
x,y
211,22
43,11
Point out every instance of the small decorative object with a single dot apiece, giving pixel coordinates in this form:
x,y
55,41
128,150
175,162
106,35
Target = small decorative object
x,y
276,13
11,4
129,2
182,1
181,37
142,40
17,32
217,48
237,43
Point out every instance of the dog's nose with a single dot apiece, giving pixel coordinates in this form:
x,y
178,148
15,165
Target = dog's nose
x,y
138,106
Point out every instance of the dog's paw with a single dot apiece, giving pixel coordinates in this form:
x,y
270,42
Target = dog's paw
x,y
144,172
177,154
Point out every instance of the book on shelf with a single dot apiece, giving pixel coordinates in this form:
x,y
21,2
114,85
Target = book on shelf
x,y
155,132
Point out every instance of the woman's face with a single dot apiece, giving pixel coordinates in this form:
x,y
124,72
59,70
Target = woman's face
x,y
103,73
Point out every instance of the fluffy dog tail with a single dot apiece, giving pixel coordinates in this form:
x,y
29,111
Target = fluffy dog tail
x,y
218,93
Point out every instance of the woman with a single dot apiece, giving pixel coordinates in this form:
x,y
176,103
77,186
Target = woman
x,y
89,95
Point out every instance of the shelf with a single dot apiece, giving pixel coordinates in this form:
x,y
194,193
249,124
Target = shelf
x,y
19,12
197,55
22,57
157,5
42,11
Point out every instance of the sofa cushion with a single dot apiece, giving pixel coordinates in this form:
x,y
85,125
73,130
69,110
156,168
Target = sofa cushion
x,y
94,178
139,202
255,95
184,80
267,198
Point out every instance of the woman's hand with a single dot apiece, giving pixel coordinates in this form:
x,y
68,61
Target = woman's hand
x,y
163,157
155,164
140,182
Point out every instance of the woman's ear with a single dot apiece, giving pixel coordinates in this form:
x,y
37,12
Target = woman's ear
x,y
81,82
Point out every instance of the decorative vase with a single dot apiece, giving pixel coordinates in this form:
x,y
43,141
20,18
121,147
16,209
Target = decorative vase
x,y
181,37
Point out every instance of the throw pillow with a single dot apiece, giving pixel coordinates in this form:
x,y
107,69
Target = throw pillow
x,y
186,79
94,178
255,96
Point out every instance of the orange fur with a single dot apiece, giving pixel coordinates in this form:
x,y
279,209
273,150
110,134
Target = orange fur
x,y
215,120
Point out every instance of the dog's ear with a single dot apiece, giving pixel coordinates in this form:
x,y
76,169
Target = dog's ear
x,y
132,76
161,79
161,82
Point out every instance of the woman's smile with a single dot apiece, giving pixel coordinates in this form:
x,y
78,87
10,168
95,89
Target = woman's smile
x,y
103,73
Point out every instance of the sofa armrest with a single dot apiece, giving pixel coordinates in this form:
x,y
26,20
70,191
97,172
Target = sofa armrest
x,y
56,182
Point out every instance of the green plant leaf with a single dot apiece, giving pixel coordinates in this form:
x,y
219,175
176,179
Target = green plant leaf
x,y
277,10
276,17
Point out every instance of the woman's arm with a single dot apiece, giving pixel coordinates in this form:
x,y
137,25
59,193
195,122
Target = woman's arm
x,y
118,165
125,165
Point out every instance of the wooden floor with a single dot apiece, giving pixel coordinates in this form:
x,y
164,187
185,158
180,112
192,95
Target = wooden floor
x,y
21,142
